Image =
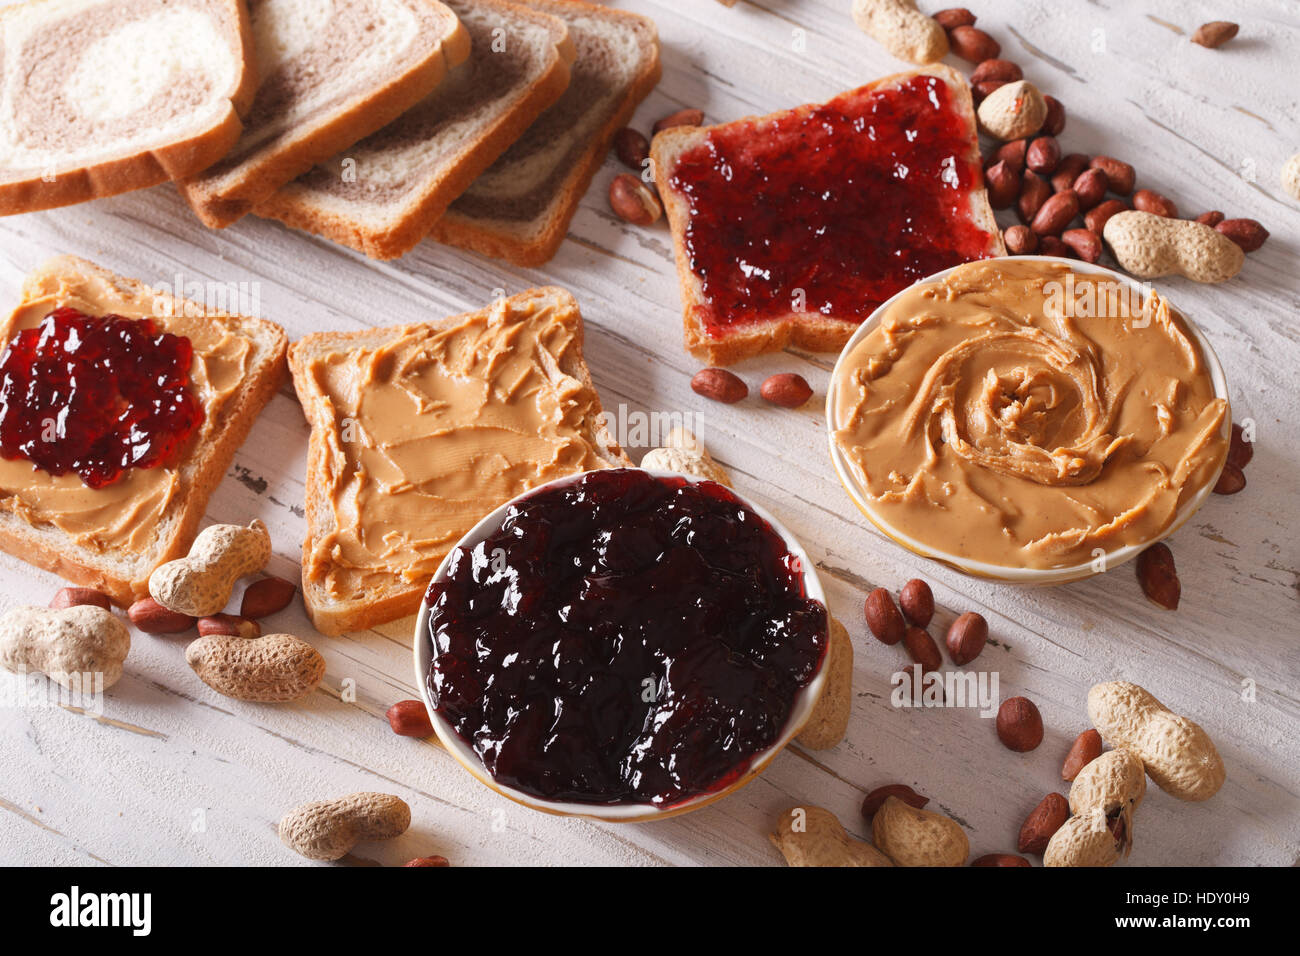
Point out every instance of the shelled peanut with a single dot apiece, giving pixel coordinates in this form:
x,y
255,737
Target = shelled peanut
x,y
965,639
1240,451
633,198
1042,823
1062,201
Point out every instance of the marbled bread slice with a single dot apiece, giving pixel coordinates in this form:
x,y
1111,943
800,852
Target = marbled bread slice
x,y
102,543
333,72
101,97
520,208
382,195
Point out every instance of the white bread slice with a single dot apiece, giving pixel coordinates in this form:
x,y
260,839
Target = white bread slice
x,y
333,463
808,330
104,96
520,208
255,350
382,195
333,72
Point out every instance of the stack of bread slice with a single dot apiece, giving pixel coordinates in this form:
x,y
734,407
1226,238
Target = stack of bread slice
x,y
383,194
331,73
374,123
520,208
497,159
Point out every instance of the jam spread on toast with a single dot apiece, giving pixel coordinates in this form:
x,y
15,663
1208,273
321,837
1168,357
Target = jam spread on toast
x,y
623,638
96,396
830,209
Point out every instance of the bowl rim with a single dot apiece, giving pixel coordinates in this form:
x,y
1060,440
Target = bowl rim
x,y
804,703
1007,573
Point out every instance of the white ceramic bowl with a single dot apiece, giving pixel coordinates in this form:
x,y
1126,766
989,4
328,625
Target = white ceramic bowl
x,y
980,569
804,701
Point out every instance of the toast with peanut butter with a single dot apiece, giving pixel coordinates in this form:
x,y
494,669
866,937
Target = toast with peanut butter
x,y
106,96
121,409
333,72
418,431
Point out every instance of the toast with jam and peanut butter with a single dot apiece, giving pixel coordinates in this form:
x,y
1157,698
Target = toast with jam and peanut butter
x,y
121,408
418,431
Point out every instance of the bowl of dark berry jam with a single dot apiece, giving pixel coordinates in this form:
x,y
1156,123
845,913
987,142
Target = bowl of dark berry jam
x,y
624,644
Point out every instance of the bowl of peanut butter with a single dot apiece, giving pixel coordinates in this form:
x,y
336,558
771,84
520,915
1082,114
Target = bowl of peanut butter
x,y
1028,419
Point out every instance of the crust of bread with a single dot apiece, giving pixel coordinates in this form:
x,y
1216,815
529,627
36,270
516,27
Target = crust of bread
x,y
219,205
390,242
499,243
142,170
201,468
795,329
332,616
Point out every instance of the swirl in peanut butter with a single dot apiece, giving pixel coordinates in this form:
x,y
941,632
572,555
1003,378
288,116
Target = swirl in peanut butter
x,y
1025,415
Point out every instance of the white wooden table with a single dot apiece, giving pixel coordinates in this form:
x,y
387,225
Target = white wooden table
x,y
172,773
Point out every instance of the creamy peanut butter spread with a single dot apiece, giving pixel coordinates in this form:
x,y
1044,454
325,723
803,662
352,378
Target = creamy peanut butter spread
x,y
1023,414
124,515
437,426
